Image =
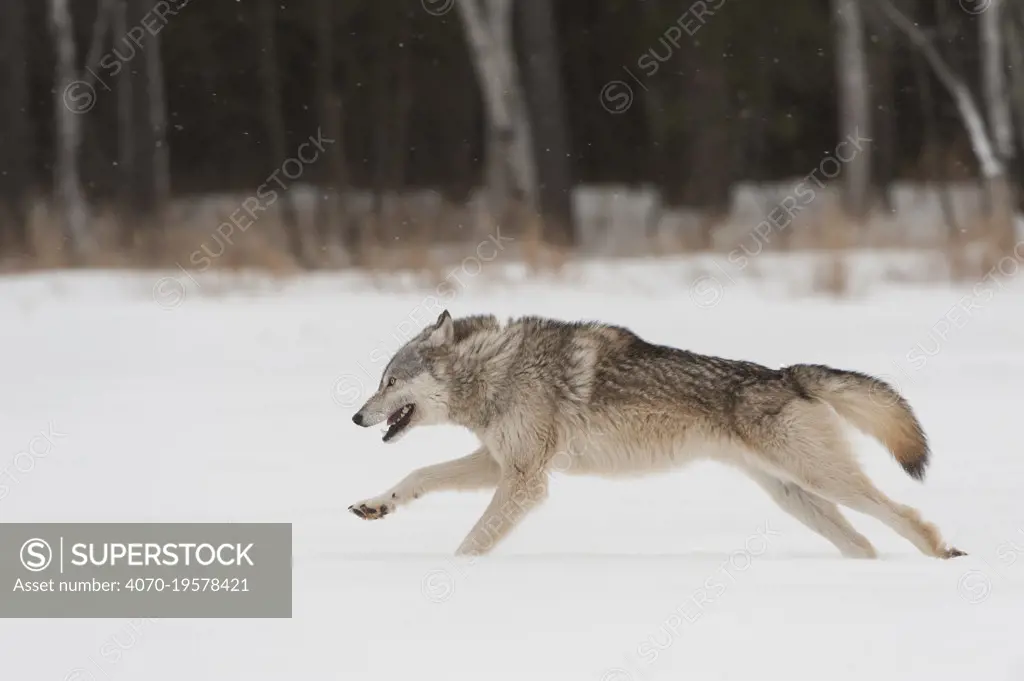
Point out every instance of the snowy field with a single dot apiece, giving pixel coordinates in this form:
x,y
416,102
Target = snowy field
x,y
233,403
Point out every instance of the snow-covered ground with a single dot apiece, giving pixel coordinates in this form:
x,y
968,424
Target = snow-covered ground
x,y
234,404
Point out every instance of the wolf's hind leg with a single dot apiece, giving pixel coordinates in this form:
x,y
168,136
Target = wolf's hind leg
x,y
479,470
816,456
816,513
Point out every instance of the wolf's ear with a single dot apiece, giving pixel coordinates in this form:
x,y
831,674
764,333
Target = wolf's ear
x,y
443,331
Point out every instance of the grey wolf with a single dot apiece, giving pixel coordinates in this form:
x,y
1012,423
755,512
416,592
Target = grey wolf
x,y
530,388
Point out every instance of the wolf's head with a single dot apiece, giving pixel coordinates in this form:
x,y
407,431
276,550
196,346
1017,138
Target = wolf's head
x,y
410,393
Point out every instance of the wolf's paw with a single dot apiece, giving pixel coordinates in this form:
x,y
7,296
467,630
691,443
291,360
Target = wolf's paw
x,y
953,552
372,509
471,547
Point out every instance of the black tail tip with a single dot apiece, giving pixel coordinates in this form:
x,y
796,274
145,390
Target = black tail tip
x,y
916,468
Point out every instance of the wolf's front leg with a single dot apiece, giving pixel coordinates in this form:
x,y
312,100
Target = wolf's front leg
x,y
479,470
517,494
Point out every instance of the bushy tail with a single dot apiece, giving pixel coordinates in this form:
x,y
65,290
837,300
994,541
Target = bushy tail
x,y
873,407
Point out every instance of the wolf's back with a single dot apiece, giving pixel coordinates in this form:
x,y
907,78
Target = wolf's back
x,y
873,407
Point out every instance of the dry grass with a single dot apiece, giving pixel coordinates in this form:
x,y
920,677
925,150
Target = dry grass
x,y
833,275
978,249
540,255
428,248
179,246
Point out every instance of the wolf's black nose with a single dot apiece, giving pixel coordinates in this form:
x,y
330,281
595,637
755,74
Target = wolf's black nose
x,y
357,419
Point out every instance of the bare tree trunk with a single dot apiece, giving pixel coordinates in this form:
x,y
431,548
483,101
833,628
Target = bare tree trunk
x,y
1015,50
401,107
274,119
106,13
330,219
144,194
16,149
854,105
709,142
544,88
511,169
382,97
885,149
126,124
933,147
158,124
73,209
98,173
997,97
353,228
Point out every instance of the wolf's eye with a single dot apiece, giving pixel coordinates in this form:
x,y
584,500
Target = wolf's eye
x,y
391,381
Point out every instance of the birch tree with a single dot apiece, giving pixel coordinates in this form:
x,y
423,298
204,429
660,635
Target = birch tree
x,y
997,97
511,170
1015,51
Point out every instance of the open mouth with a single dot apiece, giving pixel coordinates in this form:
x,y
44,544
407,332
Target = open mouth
x,y
399,421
